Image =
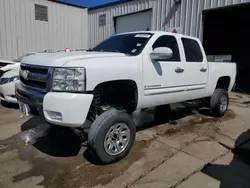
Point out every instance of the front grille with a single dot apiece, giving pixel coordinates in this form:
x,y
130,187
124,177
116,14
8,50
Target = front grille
x,y
37,77
34,69
34,84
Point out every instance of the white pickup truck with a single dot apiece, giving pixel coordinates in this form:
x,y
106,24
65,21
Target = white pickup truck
x,y
125,73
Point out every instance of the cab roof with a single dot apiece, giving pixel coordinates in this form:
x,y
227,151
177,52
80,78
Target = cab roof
x,y
161,33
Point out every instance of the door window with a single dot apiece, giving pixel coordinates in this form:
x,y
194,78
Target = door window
x,y
170,42
192,50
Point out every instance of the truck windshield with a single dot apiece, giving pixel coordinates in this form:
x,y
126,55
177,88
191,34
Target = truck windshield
x,y
131,43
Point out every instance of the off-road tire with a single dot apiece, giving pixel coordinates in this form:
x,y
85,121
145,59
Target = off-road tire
x,y
99,129
215,102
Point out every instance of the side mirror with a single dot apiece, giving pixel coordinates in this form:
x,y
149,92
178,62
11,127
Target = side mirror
x,y
161,54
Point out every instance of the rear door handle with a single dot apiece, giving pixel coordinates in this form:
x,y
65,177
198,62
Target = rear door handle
x,y
179,70
203,69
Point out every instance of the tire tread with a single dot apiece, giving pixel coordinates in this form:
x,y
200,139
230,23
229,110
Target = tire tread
x,y
94,134
214,102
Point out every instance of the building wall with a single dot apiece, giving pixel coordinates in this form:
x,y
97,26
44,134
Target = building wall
x,y
166,14
21,33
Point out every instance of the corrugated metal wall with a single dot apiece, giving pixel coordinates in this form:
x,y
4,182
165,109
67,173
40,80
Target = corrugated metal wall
x,y
21,33
166,14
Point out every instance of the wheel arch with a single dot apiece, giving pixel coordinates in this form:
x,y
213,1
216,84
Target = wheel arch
x,y
223,83
126,88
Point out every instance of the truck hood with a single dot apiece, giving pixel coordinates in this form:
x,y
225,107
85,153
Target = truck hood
x,y
59,59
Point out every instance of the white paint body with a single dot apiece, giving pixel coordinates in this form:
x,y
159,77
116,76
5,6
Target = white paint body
x,y
7,90
2,61
11,66
168,86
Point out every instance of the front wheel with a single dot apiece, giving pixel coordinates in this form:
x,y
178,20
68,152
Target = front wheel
x,y
111,136
219,102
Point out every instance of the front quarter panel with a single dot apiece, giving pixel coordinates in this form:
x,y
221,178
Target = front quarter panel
x,y
100,70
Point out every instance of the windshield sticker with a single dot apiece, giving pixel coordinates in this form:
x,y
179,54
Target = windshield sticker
x,y
138,45
133,51
143,35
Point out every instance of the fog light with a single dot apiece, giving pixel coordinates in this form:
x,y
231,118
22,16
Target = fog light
x,y
54,115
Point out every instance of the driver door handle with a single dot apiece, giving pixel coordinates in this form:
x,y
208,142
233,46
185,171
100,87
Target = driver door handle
x,y
203,69
179,70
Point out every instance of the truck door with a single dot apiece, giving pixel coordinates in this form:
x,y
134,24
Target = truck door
x,y
196,68
164,80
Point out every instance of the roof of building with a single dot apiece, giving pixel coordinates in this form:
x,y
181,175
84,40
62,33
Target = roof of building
x,y
109,4
69,4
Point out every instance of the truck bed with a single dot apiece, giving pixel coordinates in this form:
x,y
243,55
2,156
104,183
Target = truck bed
x,y
217,70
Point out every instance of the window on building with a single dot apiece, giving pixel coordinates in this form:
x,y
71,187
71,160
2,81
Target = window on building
x,y
102,20
192,50
170,42
41,12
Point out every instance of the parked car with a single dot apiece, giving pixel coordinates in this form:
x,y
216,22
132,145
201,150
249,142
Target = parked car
x,y
125,73
9,74
5,62
7,85
6,65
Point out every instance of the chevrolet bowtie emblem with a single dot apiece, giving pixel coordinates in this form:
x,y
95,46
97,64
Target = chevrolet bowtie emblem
x,y
24,74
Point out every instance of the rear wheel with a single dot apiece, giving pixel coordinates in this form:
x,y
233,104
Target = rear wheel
x,y
112,135
219,102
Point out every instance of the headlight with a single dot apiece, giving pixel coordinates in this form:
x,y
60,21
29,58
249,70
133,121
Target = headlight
x,y
8,80
14,78
69,79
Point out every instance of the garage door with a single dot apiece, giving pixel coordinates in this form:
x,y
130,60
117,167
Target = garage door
x,y
226,34
133,22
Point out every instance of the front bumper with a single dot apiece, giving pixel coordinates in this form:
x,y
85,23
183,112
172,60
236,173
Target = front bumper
x,y
31,98
73,107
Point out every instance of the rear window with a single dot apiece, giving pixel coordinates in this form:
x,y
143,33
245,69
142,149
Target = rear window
x,y
192,50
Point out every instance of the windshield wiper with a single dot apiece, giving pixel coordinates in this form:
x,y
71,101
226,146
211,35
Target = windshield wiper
x,y
109,50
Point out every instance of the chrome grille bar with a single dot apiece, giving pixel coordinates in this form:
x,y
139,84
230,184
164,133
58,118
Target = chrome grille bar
x,y
36,78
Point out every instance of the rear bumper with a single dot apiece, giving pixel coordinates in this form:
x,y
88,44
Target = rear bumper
x,y
72,108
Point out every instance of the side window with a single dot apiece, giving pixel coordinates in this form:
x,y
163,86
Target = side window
x,y
170,42
192,50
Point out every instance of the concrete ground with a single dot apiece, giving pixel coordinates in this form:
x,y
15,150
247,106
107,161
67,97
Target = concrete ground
x,y
192,150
